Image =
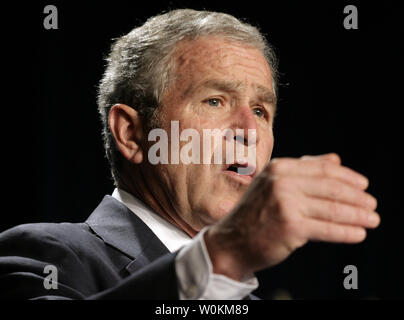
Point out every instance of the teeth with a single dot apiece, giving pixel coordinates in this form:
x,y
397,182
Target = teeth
x,y
241,170
245,170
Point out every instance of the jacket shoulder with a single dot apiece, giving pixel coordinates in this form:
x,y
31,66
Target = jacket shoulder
x,y
84,264
50,234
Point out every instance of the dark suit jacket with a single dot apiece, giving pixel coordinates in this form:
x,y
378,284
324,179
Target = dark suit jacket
x,y
113,255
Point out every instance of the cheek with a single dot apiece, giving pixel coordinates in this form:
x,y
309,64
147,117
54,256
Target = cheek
x,y
265,147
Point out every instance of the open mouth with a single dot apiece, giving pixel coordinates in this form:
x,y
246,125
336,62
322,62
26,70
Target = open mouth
x,y
242,169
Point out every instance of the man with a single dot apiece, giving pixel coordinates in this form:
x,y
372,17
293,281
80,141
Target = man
x,y
180,229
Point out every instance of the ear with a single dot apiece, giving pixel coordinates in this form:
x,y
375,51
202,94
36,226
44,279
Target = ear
x,y
126,127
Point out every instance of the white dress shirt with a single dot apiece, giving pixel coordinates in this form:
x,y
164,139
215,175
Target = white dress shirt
x,y
195,277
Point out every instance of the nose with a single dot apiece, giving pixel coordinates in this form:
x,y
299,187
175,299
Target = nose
x,y
244,126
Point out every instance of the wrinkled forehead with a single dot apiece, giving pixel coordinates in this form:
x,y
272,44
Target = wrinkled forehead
x,y
197,58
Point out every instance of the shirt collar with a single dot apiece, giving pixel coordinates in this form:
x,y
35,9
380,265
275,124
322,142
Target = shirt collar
x,y
171,236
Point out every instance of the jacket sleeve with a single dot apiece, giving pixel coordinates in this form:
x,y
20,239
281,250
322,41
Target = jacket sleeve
x,y
26,251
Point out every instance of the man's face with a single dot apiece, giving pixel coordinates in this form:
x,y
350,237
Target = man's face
x,y
217,84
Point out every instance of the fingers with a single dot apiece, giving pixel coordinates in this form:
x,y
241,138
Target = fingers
x,y
329,196
334,190
331,232
319,166
333,211
333,157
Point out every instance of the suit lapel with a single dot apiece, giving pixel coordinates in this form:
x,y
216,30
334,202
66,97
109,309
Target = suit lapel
x,y
122,229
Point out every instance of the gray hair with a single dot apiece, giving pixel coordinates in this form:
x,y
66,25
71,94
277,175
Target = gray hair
x,y
140,63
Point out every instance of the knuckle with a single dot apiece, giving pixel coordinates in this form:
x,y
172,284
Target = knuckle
x,y
325,232
335,233
338,233
366,200
359,216
326,168
343,234
333,211
335,189
335,157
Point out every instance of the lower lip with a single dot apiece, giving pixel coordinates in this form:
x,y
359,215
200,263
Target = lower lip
x,y
239,177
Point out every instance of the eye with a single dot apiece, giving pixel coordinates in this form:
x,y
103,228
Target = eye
x,y
213,102
259,112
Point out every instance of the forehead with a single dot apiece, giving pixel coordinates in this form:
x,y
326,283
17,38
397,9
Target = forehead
x,y
213,56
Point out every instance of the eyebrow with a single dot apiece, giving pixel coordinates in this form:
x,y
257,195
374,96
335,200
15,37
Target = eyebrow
x,y
265,95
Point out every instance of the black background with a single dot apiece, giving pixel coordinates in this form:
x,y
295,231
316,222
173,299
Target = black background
x,y
340,91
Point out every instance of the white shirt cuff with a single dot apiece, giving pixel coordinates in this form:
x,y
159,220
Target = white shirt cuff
x,y
196,279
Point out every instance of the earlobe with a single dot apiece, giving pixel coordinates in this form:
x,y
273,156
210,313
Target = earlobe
x,y
126,127
138,157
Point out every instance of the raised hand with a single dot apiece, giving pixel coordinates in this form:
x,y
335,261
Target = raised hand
x,y
289,203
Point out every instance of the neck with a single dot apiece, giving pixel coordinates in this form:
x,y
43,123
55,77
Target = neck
x,y
154,196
